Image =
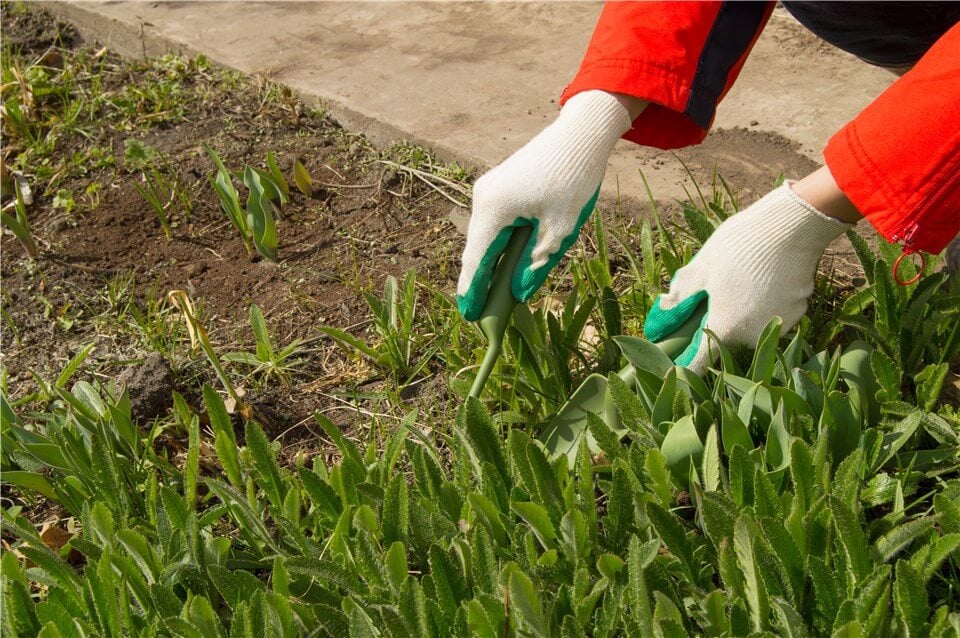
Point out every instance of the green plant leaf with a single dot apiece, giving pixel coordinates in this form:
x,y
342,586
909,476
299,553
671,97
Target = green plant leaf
x,y
680,447
857,372
620,509
396,510
852,538
396,562
711,461
361,625
607,440
644,355
928,559
791,623
249,521
526,602
321,571
718,514
948,513
674,538
235,586
885,290
909,600
21,232
483,442
929,384
259,214
489,516
631,410
765,354
265,464
302,178
756,594
349,342
840,425
73,366
732,429
32,481
639,558
864,254
277,175
229,196
536,517
699,224
777,448
900,537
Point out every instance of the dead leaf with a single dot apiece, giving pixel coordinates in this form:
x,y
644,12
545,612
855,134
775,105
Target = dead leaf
x,y
55,538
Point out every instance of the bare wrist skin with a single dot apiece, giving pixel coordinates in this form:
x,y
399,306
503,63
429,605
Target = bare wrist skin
x,y
634,105
820,190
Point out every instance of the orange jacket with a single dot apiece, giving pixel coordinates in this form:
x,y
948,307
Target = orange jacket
x,y
898,161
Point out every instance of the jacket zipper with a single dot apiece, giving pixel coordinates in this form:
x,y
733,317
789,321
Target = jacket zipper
x,y
908,234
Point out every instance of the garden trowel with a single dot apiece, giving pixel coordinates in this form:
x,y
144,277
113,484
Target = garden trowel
x,y
500,303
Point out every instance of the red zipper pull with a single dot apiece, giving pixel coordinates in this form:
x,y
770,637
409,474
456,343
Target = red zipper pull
x,y
907,238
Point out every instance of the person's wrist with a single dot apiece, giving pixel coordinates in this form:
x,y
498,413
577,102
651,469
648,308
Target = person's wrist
x,y
633,104
821,191
803,224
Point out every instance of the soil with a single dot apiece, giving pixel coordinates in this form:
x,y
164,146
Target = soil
x,y
747,158
363,222
149,386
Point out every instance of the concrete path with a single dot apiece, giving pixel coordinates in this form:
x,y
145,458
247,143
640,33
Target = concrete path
x,y
475,80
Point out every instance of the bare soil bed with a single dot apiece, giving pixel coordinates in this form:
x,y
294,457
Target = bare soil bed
x,y
364,221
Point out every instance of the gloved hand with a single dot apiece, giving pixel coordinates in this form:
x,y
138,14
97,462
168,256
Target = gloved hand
x,y
551,184
758,264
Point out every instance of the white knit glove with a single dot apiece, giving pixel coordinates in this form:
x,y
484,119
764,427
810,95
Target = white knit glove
x,y
758,264
551,184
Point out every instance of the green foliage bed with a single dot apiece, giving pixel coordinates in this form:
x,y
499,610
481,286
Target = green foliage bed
x,y
800,492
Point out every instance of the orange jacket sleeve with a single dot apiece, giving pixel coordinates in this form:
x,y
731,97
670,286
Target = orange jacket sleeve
x,y
683,57
898,161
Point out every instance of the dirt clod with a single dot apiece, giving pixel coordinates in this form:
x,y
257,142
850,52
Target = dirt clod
x,y
150,385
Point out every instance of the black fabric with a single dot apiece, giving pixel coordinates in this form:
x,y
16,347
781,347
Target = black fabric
x,y
888,34
732,31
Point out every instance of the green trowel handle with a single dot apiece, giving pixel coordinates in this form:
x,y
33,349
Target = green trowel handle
x,y
500,303
679,339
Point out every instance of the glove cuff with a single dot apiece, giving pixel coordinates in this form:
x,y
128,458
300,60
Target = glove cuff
x,y
589,125
596,113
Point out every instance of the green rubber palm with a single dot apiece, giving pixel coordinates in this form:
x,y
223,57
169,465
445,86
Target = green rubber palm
x,y
679,330
525,280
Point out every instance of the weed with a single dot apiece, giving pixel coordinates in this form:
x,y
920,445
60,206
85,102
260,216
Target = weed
x,y
394,318
267,362
199,339
17,223
914,326
64,199
362,544
155,327
158,190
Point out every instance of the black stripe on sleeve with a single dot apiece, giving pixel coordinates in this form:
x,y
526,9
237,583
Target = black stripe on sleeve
x,y
736,24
